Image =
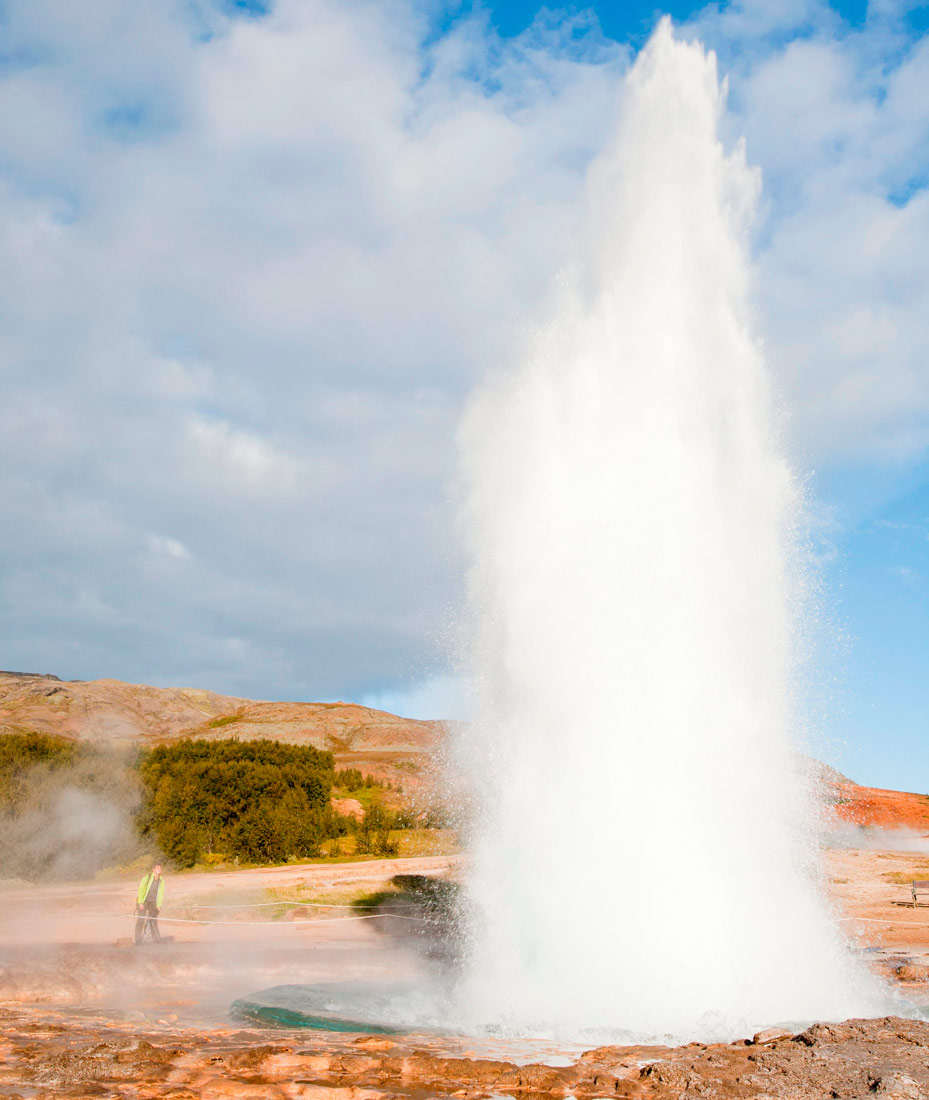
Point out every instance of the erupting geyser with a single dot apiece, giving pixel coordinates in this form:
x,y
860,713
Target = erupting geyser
x,y
642,859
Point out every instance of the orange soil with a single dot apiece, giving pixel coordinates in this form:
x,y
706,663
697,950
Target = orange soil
x,y
885,809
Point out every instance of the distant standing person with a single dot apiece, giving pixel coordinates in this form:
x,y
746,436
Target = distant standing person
x,y
148,902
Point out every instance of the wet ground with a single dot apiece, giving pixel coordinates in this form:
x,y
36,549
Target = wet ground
x,y
86,1014
87,1054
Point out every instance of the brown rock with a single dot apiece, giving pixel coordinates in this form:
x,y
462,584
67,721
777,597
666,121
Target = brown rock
x,y
537,1078
371,1042
114,1060
897,1085
222,1088
676,1077
770,1034
304,1090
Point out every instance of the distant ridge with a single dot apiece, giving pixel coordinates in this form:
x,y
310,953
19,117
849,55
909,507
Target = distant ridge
x,y
30,675
390,748
403,751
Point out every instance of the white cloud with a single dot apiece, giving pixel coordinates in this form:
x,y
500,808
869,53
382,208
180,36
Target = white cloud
x,y
242,457
254,273
167,547
834,119
254,264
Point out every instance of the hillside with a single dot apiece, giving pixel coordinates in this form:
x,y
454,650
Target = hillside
x,y
873,806
401,750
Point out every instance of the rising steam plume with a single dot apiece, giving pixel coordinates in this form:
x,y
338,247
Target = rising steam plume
x,y
642,859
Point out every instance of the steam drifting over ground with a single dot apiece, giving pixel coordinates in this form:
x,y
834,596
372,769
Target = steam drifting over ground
x,y
631,520
68,822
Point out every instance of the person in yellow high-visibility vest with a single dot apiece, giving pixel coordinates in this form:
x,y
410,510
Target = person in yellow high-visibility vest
x,y
148,902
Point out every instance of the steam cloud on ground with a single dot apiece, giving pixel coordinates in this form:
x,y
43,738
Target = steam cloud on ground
x,y
69,823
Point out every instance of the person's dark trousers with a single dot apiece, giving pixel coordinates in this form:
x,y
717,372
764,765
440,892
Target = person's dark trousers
x,y
148,913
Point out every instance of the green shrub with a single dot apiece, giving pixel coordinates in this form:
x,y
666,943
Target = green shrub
x,y
68,810
258,801
22,753
373,833
351,779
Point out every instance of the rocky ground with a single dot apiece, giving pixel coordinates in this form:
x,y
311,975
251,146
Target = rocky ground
x,y
86,1015
65,1057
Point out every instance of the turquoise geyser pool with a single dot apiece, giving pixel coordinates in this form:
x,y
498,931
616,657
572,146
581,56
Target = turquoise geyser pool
x,y
341,1006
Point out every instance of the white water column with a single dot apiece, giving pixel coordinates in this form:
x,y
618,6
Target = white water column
x,y
642,853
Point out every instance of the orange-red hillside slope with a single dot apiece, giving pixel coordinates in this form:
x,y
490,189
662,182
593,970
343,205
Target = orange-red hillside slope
x,y
885,809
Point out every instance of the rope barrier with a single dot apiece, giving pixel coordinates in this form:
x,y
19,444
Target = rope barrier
x,y
365,916
269,923
229,905
264,905
272,923
878,920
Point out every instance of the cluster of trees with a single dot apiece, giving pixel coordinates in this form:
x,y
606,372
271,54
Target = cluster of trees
x,y
23,754
351,779
69,809
255,801
374,834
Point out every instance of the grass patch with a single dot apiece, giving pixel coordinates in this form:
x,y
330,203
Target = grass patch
x,y
413,843
270,903
367,903
904,878
428,842
226,720
367,796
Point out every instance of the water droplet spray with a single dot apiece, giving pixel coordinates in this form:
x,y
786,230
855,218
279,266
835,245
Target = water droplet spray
x,y
642,854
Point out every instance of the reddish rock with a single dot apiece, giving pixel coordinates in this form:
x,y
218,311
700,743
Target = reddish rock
x,y
348,807
770,1034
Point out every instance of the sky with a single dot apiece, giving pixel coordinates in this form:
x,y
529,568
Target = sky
x,y
257,253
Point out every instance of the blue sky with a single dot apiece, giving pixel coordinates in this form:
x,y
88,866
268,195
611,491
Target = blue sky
x,y
634,21
262,251
877,588
625,22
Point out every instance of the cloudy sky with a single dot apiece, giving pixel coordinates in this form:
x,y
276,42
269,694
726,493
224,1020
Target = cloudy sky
x,y
256,255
